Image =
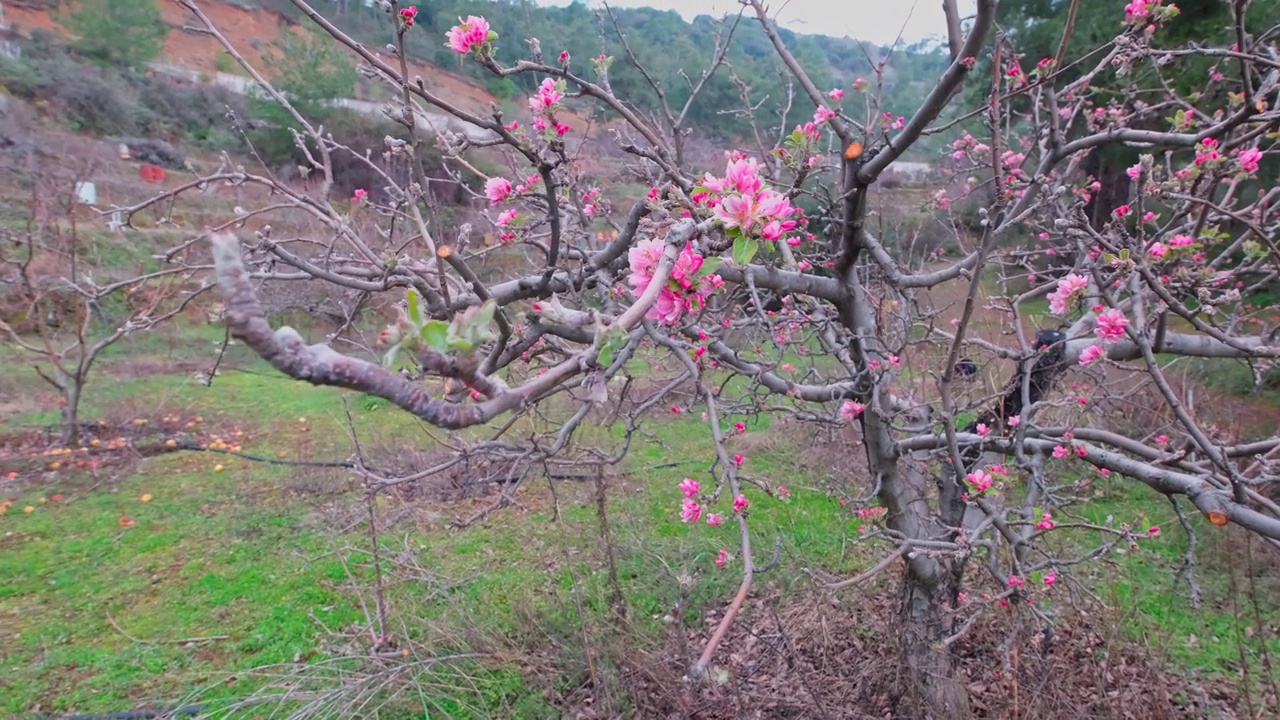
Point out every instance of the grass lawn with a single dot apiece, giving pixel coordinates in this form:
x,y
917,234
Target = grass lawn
x,y
108,601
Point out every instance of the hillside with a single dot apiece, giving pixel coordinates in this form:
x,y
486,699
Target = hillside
x,y
661,41
254,32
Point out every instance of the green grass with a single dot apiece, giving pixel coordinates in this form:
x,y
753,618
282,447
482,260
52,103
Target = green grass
x,y
249,553
1154,608
225,553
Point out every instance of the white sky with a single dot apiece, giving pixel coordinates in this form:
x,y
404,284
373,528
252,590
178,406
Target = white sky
x,y
877,21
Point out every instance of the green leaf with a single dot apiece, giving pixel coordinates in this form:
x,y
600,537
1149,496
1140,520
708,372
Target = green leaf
x,y
487,310
459,343
710,265
744,249
415,309
435,334
1124,255
613,340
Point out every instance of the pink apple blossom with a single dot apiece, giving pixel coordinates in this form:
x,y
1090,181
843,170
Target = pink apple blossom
x,y
690,488
851,409
980,480
1249,159
468,34
1091,353
722,558
1111,325
741,503
715,519
690,511
547,96
497,189
1060,299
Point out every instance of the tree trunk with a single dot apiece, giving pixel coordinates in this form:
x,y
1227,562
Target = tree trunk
x,y
927,687
71,413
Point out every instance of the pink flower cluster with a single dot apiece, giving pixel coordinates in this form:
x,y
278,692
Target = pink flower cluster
x,y
686,288
1111,325
691,511
497,189
1138,10
1147,13
980,480
1207,152
1091,353
1249,159
850,410
968,145
547,96
1068,290
468,35
740,201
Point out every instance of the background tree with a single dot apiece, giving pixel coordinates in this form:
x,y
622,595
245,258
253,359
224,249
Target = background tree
x,y
127,33
312,73
65,305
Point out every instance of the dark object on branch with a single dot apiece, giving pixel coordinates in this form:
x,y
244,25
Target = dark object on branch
x,y
1050,344
966,369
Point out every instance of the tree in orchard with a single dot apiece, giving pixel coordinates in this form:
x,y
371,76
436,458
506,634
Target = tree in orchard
x,y
122,33
967,495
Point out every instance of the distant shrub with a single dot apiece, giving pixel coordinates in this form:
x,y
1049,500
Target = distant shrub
x,y
86,97
502,88
112,102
